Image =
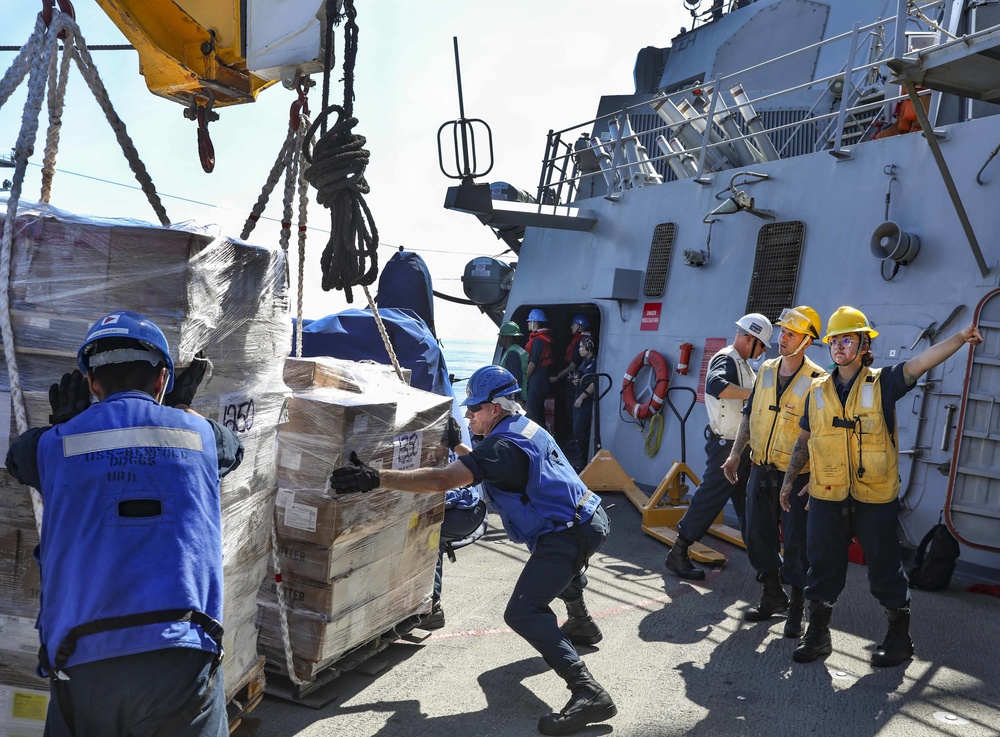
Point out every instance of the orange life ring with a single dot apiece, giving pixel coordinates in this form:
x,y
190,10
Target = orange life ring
x,y
656,362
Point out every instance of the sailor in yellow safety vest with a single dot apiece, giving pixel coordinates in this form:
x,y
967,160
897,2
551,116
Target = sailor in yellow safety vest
x,y
770,426
849,439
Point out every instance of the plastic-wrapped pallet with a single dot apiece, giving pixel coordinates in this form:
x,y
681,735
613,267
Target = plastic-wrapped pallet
x,y
353,567
205,292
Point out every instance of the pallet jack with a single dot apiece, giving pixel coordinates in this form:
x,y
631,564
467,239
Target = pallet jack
x,y
664,508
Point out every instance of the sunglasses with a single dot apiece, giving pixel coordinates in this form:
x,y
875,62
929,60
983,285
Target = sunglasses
x,y
842,342
473,407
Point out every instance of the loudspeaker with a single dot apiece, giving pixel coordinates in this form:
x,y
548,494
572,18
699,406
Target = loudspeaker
x,y
890,243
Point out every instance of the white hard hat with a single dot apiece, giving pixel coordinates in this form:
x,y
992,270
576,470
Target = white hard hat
x,y
758,326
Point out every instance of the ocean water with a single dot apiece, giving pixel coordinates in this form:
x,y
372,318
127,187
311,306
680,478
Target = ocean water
x,y
465,356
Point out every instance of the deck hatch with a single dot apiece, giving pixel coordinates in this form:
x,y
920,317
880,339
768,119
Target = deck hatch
x,y
659,260
775,268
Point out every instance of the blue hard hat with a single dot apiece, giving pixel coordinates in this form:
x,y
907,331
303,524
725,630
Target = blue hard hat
x,y
582,321
537,316
129,325
488,383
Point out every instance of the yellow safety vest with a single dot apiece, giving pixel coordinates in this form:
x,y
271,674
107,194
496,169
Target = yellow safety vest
x,y
860,439
774,420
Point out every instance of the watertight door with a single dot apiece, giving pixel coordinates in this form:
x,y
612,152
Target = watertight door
x,y
972,509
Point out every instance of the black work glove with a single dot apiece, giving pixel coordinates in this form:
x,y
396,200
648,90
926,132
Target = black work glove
x,y
68,397
187,383
355,477
454,433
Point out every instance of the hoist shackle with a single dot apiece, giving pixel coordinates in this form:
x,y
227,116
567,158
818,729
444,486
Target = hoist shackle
x,y
206,150
64,5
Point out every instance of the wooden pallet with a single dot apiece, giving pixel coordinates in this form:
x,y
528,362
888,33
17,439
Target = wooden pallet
x,y
245,695
361,659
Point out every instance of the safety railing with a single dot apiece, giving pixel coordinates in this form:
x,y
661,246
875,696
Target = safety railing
x,y
703,132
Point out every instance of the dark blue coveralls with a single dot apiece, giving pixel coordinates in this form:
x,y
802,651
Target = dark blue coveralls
x,y
715,490
832,525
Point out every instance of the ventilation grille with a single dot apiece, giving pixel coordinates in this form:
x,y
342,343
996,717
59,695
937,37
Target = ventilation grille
x,y
659,260
775,268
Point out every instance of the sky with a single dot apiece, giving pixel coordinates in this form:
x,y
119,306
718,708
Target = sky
x,y
527,67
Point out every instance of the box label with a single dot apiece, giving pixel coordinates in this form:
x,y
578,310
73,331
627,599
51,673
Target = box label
x,y
290,458
406,451
237,411
301,517
360,423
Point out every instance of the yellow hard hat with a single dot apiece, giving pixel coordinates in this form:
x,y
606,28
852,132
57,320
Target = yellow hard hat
x,y
848,320
801,319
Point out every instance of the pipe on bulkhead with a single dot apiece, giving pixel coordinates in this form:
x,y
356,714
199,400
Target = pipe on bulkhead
x,y
604,161
682,163
754,124
684,131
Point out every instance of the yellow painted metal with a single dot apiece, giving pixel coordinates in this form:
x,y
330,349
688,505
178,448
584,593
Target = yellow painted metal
x,y
170,37
663,510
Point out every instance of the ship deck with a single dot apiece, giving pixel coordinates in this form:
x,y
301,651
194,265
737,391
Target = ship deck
x,y
676,656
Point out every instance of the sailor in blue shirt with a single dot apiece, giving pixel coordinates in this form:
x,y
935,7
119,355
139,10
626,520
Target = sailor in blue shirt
x,y
131,545
542,503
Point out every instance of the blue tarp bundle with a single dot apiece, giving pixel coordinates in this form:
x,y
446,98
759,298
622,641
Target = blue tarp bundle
x,y
405,304
353,336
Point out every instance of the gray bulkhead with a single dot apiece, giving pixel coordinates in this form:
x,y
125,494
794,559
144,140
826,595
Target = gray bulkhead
x,y
840,202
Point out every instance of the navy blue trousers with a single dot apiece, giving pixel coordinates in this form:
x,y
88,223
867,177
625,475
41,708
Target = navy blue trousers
x,y
830,529
764,513
710,498
556,569
538,390
134,695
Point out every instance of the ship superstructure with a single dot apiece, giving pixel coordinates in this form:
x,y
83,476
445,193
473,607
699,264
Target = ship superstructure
x,y
813,184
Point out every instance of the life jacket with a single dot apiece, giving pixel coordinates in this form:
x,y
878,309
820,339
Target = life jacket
x,y
521,354
725,415
553,493
133,526
546,340
774,420
845,439
574,341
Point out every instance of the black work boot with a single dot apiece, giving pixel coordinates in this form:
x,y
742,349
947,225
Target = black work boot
x,y
589,703
580,628
433,620
772,599
793,619
678,561
897,645
817,640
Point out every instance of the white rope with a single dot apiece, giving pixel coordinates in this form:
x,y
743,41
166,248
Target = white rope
x,y
384,334
303,220
286,640
272,179
56,99
37,60
19,68
23,149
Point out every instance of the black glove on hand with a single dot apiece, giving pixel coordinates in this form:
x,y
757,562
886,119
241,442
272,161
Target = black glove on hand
x,y
454,433
355,477
187,383
69,397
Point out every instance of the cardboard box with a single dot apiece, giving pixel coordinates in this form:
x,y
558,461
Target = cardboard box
x,y
333,373
322,521
22,711
20,578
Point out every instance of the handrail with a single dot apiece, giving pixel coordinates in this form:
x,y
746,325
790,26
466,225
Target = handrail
x,y
860,37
